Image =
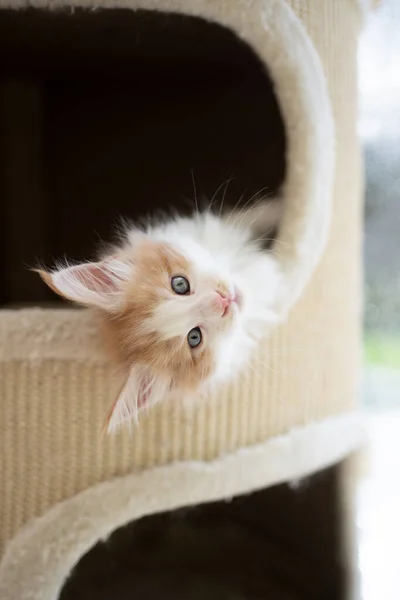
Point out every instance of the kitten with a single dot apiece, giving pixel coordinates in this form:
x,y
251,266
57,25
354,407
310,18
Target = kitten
x,y
184,303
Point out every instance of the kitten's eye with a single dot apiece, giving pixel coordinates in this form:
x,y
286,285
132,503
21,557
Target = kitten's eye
x,y
180,285
194,337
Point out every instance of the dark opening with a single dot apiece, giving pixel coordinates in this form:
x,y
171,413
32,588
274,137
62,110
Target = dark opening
x,y
105,114
277,544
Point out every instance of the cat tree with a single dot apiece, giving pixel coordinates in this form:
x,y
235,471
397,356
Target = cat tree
x,y
105,112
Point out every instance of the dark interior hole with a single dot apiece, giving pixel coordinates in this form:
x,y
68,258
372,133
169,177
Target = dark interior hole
x,y
106,114
278,544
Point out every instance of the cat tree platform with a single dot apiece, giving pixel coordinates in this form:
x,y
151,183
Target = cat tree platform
x,y
106,112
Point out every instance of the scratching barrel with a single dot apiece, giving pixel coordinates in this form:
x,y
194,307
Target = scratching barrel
x,y
106,108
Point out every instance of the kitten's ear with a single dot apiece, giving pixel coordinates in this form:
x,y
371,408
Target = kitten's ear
x,y
96,284
141,390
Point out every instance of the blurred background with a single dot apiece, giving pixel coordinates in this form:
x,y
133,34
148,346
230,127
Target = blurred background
x,y
379,495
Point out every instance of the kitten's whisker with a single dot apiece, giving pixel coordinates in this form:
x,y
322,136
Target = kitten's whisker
x,y
239,200
224,194
221,185
263,364
256,217
271,251
258,239
252,367
241,213
264,239
256,204
194,191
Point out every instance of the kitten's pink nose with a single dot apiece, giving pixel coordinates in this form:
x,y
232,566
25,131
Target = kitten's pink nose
x,y
224,303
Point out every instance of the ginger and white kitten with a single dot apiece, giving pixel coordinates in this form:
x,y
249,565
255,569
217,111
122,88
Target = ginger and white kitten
x,y
184,303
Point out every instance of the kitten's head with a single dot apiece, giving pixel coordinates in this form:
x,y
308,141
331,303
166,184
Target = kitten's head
x,y
176,323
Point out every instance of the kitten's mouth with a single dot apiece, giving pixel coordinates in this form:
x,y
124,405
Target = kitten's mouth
x,y
228,302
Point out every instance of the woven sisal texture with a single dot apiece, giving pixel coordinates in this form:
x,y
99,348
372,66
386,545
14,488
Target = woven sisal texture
x,y
52,407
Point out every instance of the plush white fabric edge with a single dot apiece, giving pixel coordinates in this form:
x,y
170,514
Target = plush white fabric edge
x,y
302,92
279,38
38,560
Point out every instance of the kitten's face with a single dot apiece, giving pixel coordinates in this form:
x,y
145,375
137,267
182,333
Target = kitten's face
x,y
178,315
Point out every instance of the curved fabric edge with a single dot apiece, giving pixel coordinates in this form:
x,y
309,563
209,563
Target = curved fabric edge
x,y
38,560
302,91
279,38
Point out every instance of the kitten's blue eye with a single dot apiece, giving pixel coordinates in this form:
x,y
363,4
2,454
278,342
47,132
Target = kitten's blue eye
x,y
194,337
180,285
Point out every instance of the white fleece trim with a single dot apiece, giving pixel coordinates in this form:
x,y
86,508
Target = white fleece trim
x,y
277,35
38,560
307,112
